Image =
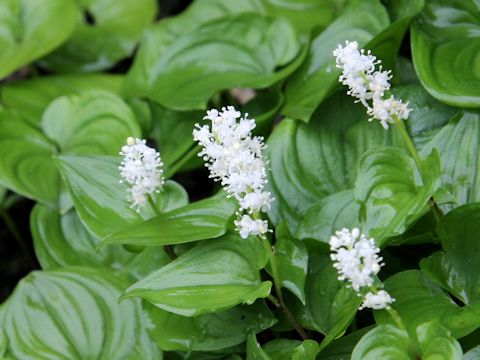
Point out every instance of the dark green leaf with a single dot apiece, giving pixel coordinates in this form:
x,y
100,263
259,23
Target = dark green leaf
x,y
215,275
314,160
342,348
205,219
317,76
116,28
286,349
292,261
95,122
74,314
26,165
330,214
445,46
254,350
62,240
391,191
330,305
29,98
99,198
457,267
167,65
208,332
31,29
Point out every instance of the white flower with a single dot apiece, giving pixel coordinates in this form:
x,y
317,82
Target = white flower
x,y
357,261
234,157
368,84
141,168
247,226
379,300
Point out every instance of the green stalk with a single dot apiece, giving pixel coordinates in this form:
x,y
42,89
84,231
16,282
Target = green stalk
x,y
168,248
396,318
279,303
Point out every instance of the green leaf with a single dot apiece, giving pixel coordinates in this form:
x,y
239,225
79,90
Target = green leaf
x,y
330,214
215,275
391,191
314,160
94,122
62,240
30,29
457,267
445,44
330,306
341,349
167,64
437,343
29,98
457,142
286,349
208,332
26,165
99,198
317,77
292,261
384,342
74,314
418,300
117,27
204,219
254,350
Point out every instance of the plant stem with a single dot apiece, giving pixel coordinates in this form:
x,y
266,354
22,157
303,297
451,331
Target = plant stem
x,y
168,248
14,231
396,318
437,212
279,302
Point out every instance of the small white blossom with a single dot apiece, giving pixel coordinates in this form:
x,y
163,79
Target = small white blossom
x,y
234,157
141,168
368,84
379,300
357,261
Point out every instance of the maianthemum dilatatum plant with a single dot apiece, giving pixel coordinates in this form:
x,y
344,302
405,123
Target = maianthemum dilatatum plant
x,y
249,179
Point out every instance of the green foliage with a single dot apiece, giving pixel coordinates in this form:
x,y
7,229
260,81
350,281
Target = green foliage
x,y
173,279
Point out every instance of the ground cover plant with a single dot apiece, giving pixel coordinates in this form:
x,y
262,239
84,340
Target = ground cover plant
x,y
250,179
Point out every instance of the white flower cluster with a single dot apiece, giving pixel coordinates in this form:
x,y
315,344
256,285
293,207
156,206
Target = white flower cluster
x,y
368,84
141,168
234,157
357,261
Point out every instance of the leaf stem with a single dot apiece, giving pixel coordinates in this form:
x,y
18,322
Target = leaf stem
x,y
278,289
396,318
168,248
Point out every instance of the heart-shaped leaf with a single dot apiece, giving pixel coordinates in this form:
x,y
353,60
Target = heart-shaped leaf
x,y
167,64
204,219
391,191
457,267
26,164
314,160
215,275
445,46
105,32
29,98
62,240
437,343
317,76
74,314
208,332
30,29
95,122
